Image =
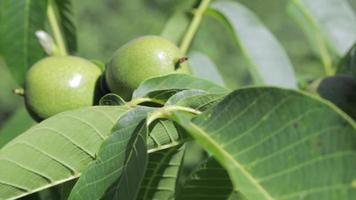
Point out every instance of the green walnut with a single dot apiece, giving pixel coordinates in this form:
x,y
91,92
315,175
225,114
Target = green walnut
x,y
60,83
140,59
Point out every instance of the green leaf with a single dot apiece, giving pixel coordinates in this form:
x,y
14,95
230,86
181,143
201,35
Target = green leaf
x,y
163,135
133,172
19,20
347,66
54,151
162,173
111,99
176,26
19,122
174,99
208,181
279,144
195,99
334,21
340,90
270,64
114,158
66,20
162,87
203,67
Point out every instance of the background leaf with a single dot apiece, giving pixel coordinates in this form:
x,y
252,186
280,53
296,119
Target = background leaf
x,y
162,174
270,64
18,123
19,20
347,66
176,26
54,151
203,67
332,20
163,87
66,20
269,140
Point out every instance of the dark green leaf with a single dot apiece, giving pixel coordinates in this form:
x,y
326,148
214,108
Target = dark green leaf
x,y
270,64
116,155
55,151
19,20
280,144
161,175
208,181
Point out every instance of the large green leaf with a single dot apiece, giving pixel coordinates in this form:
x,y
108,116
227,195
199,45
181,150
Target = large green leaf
x,y
19,20
208,181
163,87
161,174
203,67
333,21
66,20
19,122
115,156
270,64
280,144
54,151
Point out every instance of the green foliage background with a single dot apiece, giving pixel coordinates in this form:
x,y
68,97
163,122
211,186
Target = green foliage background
x,y
103,26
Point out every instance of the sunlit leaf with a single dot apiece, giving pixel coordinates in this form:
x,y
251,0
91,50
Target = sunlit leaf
x,y
279,144
54,151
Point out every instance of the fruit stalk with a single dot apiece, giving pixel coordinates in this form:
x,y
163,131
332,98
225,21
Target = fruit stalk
x,y
56,31
193,27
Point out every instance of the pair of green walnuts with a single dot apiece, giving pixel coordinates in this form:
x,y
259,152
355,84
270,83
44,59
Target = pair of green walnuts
x,y
59,83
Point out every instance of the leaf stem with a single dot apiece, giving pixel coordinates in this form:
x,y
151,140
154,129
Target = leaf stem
x,y
193,27
56,30
165,112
